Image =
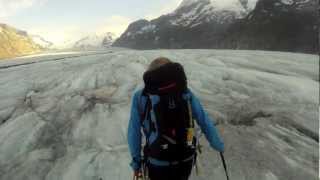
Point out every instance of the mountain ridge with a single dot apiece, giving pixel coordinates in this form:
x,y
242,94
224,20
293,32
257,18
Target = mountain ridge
x,y
198,24
45,44
15,42
95,41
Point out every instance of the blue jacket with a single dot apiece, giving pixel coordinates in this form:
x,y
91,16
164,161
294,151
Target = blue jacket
x,y
135,134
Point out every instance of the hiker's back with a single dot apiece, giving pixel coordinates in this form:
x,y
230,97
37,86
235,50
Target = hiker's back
x,y
165,109
168,110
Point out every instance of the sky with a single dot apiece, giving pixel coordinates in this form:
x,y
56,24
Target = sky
x,y
66,20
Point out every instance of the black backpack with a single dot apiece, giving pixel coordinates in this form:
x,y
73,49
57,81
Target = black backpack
x,y
173,125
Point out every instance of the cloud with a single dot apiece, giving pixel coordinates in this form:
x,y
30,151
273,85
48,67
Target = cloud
x,y
165,9
11,7
115,24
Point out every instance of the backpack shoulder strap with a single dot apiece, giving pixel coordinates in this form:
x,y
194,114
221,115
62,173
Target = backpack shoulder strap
x,y
144,110
191,120
187,98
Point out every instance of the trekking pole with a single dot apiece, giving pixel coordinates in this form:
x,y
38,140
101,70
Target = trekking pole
x,y
224,165
199,149
138,178
145,175
144,170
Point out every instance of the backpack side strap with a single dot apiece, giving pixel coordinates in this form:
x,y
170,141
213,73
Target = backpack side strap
x,y
143,110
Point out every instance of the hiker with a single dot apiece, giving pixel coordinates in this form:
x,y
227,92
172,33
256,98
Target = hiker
x,y
166,110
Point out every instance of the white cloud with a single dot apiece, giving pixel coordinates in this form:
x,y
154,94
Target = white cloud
x,y
11,7
165,9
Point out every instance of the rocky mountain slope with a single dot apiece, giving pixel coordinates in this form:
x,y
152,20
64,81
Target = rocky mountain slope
x,y
14,42
283,25
286,25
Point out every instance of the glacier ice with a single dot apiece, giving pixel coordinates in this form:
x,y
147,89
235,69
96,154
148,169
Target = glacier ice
x,y
64,116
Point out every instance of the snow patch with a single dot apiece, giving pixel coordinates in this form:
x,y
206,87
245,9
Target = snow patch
x,y
303,1
148,28
145,29
251,4
230,5
290,161
277,4
95,41
216,10
187,18
233,5
128,34
185,3
41,41
287,2
270,176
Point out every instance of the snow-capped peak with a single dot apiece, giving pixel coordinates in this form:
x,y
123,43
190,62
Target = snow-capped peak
x,y
185,3
95,40
41,41
251,4
192,13
231,5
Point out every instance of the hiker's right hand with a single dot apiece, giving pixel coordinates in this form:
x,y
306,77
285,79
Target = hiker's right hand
x,y
137,174
221,129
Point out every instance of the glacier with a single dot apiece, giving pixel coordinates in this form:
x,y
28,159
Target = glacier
x,y
64,116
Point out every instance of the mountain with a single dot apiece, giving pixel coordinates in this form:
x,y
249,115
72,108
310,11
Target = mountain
x,y
14,42
234,24
186,27
108,39
286,25
41,41
95,41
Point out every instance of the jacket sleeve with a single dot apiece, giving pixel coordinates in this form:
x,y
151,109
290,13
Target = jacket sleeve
x,y
134,134
206,124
